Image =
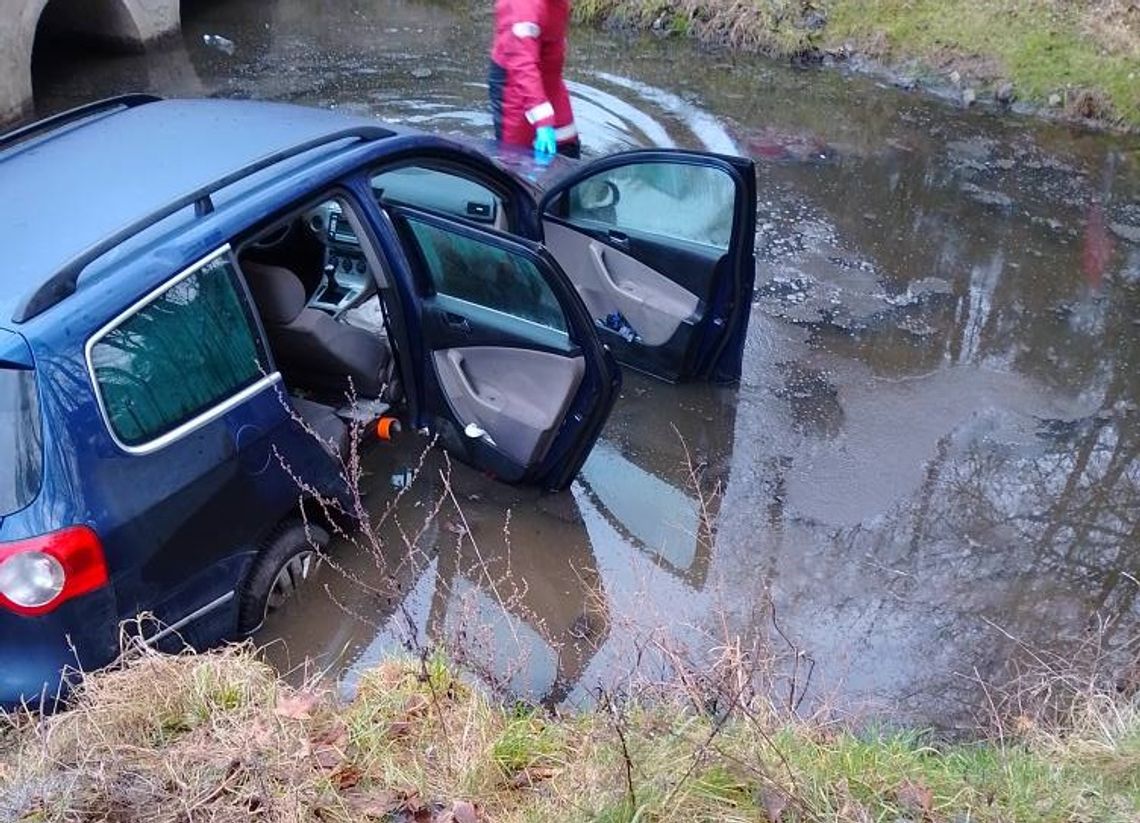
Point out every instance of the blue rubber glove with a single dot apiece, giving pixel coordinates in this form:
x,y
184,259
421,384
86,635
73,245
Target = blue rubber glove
x,y
545,143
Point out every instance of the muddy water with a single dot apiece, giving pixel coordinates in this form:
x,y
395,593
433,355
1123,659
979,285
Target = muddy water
x,y
931,460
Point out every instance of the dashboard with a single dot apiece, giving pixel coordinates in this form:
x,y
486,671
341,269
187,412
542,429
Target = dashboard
x,y
347,277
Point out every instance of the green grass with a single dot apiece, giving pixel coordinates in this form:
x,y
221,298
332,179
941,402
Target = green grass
x,y
1088,53
1044,48
417,737
525,742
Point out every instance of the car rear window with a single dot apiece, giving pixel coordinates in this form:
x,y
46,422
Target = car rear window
x,y
186,351
21,458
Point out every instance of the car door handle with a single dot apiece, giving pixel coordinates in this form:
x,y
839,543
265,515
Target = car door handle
x,y
460,367
456,321
598,254
618,238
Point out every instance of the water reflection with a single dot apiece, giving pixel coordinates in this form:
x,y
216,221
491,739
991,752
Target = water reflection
x,y
533,590
934,446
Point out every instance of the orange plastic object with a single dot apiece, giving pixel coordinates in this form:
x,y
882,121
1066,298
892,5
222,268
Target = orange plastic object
x,y
386,427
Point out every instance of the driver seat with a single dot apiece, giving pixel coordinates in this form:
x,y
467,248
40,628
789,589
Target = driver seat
x,y
314,351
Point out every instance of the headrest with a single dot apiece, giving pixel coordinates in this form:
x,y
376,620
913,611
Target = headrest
x,y
278,293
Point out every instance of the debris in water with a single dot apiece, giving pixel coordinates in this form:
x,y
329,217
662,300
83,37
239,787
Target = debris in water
x,y
986,197
1126,232
1005,94
616,322
222,44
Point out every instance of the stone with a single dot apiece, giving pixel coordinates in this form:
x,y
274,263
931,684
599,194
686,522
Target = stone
x,y
956,78
987,197
1126,232
815,20
969,97
422,73
1055,101
1005,94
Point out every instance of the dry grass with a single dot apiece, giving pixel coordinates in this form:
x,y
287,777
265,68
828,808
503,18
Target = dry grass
x,y
163,739
217,737
1114,24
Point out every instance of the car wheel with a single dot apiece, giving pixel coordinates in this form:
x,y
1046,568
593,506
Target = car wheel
x,y
287,560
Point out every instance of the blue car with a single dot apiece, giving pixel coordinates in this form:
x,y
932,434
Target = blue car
x,y
201,298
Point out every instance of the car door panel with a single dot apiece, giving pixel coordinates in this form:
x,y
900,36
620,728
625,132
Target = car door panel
x,y
665,239
519,394
610,280
514,378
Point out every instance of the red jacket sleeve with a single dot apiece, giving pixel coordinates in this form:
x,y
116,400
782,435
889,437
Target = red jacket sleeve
x,y
520,31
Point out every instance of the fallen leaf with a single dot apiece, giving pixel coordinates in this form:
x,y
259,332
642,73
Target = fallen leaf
x,y
297,706
398,729
464,812
460,811
529,776
346,776
412,801
335,736
774,804
375,803
416,706
328,757
915,797
456,528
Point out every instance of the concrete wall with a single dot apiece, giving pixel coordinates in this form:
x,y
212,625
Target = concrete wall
x,y
123,24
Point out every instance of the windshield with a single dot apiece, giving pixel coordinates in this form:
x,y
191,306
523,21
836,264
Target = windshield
x,y
20,447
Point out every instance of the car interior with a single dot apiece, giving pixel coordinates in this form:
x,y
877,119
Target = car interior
x,y
314,288
441,191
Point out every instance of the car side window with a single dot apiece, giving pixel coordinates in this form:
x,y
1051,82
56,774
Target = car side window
x,y
190,348
675,201
442,192
488,276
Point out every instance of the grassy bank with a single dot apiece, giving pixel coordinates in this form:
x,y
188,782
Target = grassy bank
x,y
1081,58
219,737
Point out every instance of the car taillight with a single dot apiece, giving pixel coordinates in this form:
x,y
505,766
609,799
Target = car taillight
x,y
39,574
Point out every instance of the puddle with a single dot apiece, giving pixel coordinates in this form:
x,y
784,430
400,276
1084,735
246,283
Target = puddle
x,y
933,450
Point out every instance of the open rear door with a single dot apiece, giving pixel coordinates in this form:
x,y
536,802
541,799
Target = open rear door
x,y
660,246
515,379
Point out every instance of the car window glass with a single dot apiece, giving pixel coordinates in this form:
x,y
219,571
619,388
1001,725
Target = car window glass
x,y
20,439
677,201
441,192
480,273
187,350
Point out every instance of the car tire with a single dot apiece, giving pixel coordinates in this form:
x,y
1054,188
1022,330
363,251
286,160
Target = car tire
x,y
288,558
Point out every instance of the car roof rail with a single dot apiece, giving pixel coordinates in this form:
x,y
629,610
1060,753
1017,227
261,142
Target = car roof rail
x,y
55,121
64,282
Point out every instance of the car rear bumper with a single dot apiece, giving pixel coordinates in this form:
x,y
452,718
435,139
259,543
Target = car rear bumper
x,y
40,657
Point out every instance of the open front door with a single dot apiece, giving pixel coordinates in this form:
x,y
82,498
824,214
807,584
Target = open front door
x,y
515,380
660,246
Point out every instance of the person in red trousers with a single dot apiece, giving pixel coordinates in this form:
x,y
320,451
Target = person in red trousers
x,y
529,101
